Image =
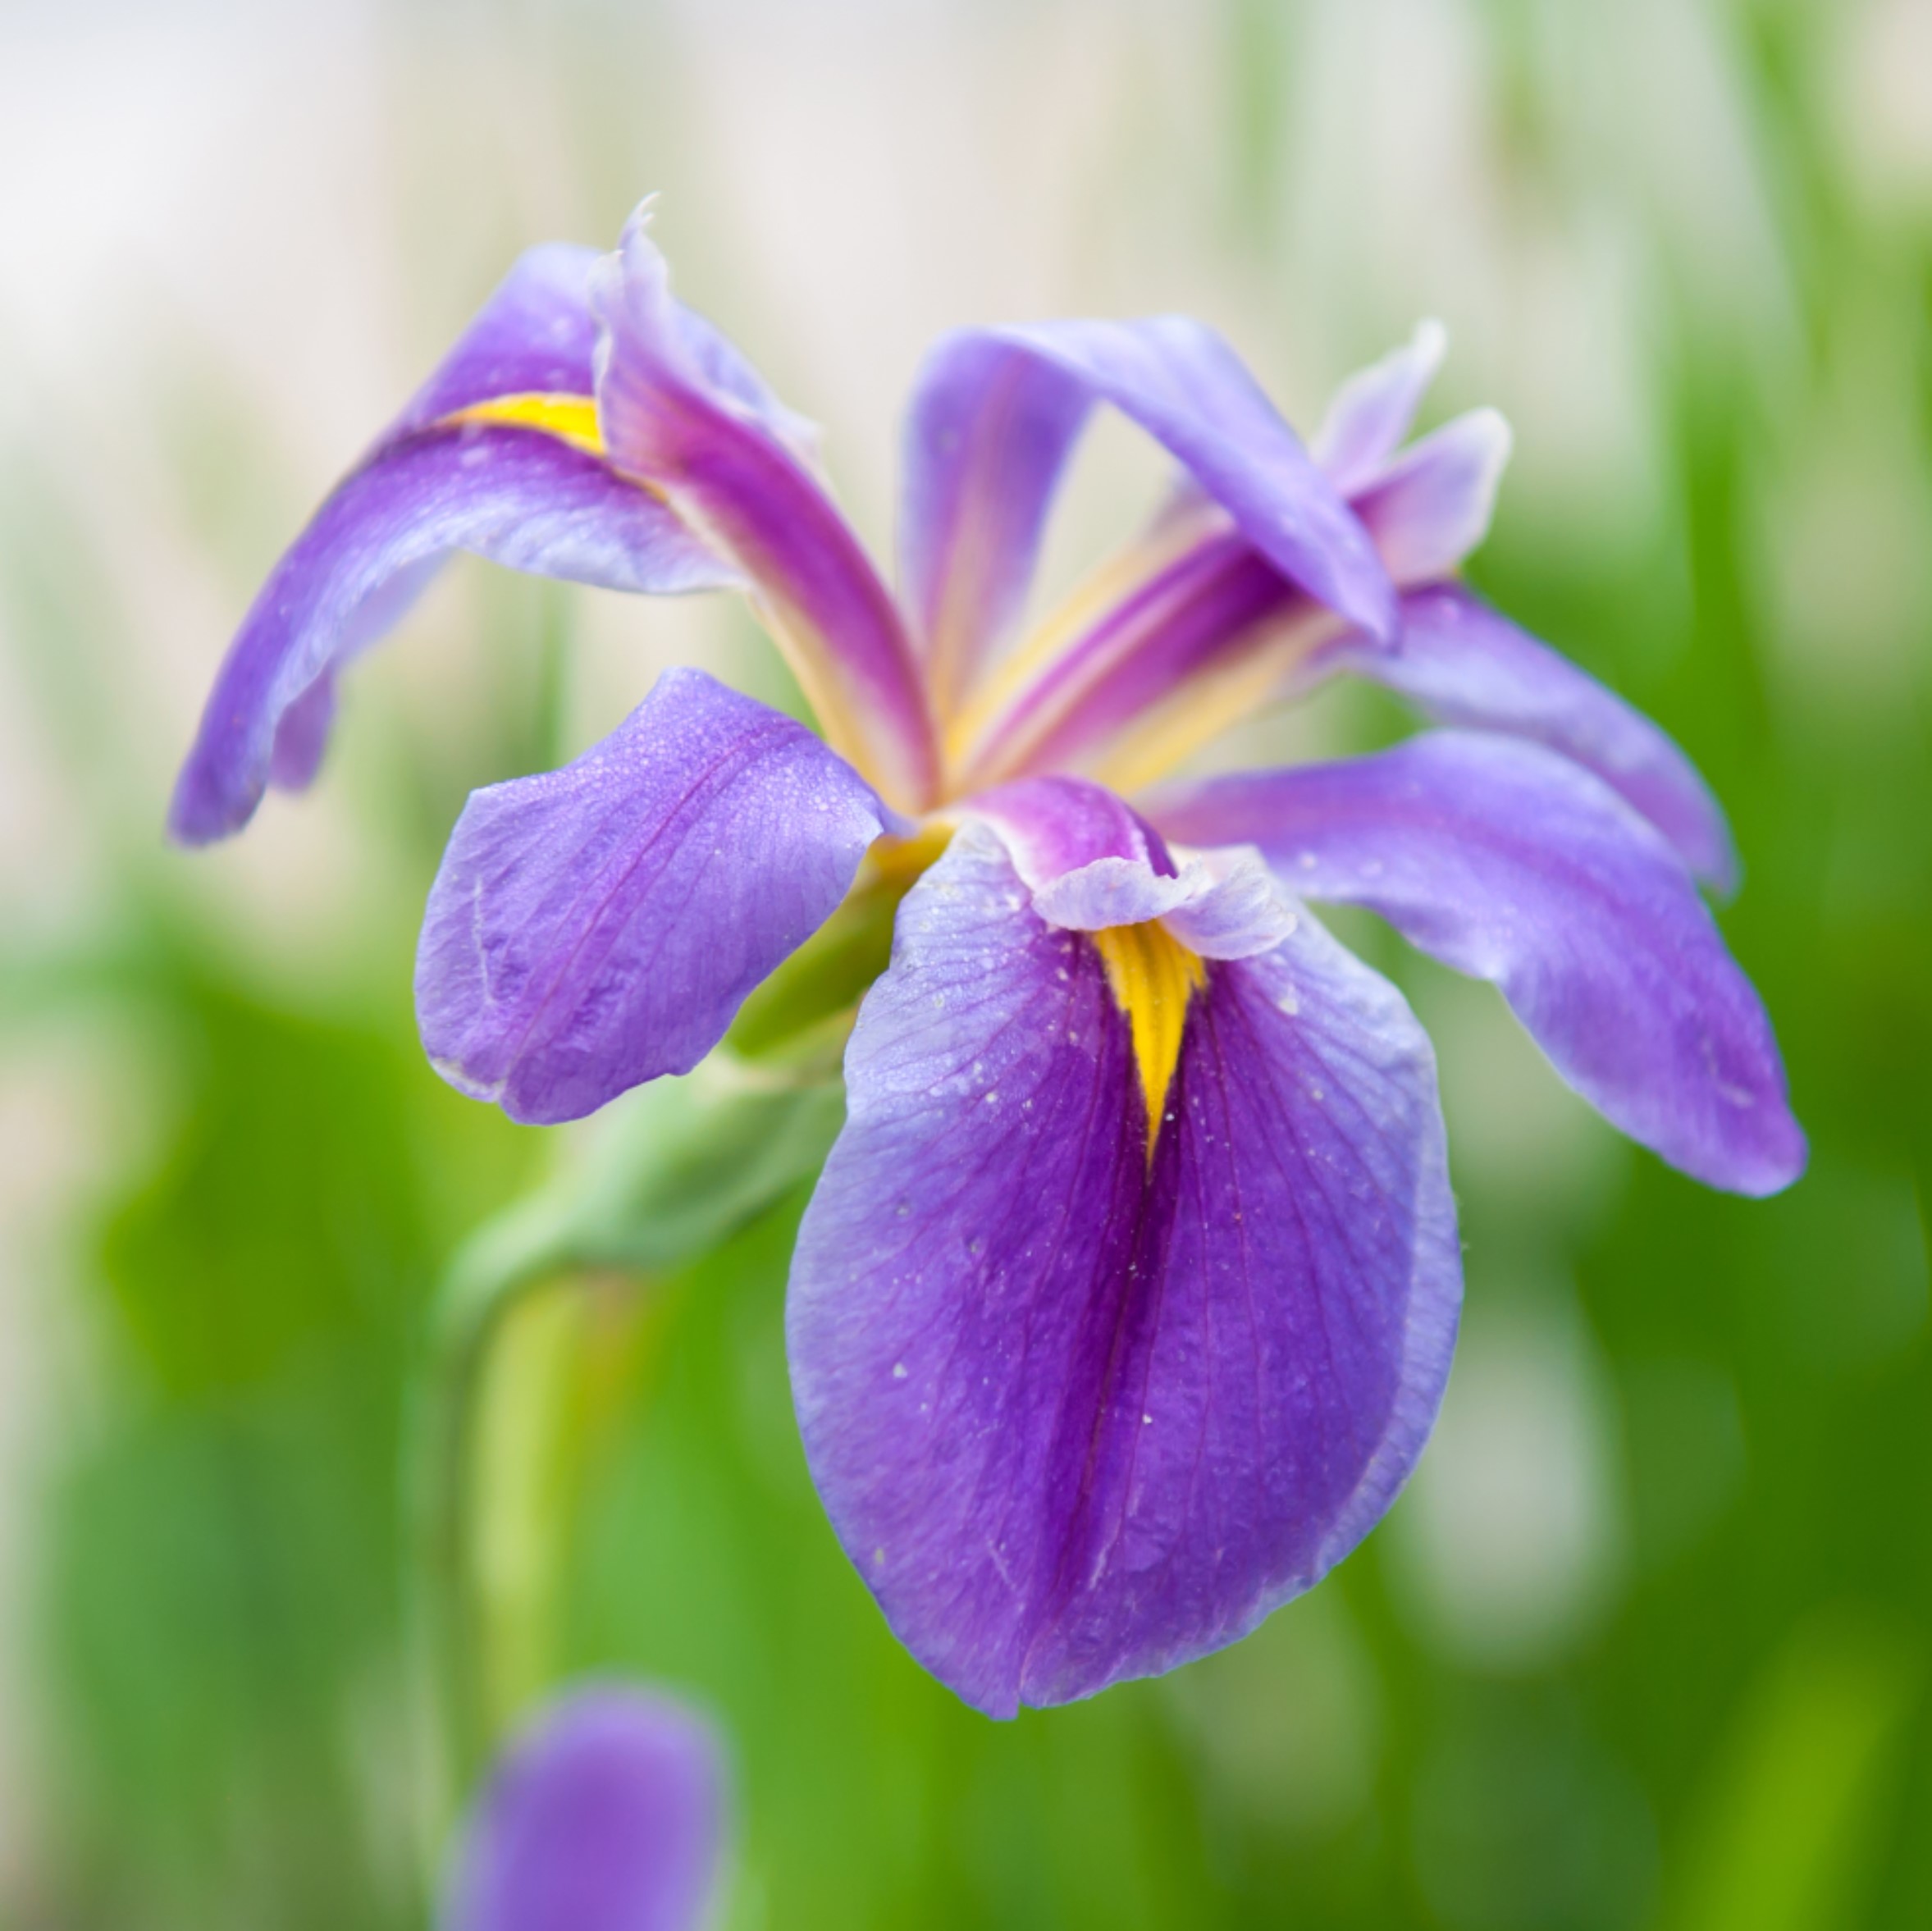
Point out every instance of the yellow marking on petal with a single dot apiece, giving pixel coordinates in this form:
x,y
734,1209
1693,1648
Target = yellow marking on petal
x,y
1152,975
1239,684
975,723
570,418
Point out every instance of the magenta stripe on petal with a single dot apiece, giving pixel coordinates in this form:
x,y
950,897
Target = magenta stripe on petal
x,y
1508,861
1463,663
606,1815
669,418
1214,594
598,926
1075,1419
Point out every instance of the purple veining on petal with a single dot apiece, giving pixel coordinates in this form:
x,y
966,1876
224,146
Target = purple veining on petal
x,y
598,926
1463,663
668,420
1182,383
1508,861
608,1813
517,496
1077,1417
987,436
1372,411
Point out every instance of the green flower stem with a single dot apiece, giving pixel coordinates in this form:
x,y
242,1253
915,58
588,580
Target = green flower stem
x,y
678,1168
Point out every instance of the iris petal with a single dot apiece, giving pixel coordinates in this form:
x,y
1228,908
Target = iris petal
x,y
1372,411
1463,663
670,420
606,1816
1508,861
1432,506
1076,1417
598,926
996,410
434,483
986,438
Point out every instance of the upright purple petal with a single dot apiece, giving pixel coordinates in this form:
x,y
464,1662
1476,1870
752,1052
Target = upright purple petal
x,y
1462,663
1181,383
1510,862
671,421
600,925
1429,507
1077,1413
1372,411
987,435
607,1815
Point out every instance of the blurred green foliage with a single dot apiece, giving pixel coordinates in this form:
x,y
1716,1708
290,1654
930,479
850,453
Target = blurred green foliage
x,y
1731,1730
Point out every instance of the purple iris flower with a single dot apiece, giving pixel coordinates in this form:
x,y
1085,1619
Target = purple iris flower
x,y
1126,1298
606,1815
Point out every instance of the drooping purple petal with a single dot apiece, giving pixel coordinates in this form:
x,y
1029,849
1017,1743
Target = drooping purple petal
x,y
1462,663
534,336
670,421
1177,380
1372,411
431,485
1508,861
598,926
986,439
1078,1415
607,1815
516,495
1429,507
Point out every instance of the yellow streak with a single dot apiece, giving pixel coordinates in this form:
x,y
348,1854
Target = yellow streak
x,y
1152,976
975,723
570,418
1210,702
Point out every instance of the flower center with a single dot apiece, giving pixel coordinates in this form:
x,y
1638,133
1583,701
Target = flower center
x,y
1151,975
